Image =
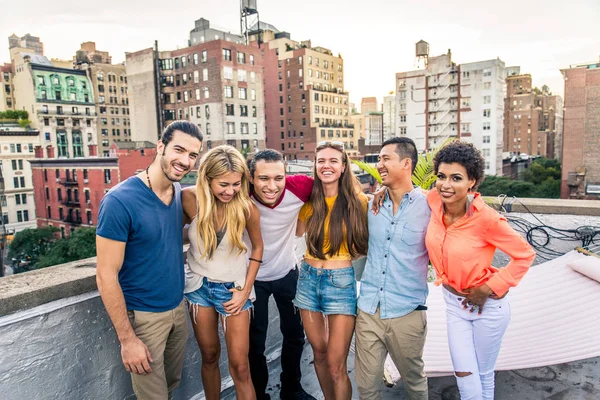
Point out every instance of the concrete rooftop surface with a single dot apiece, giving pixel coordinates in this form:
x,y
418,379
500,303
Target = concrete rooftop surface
x,y
56,341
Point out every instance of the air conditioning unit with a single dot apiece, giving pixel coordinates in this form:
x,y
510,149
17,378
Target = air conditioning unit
x,y
85,181
57,179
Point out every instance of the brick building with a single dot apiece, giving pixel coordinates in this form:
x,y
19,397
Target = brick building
x,y
581,133
532,118
7,100
217,84
304,96
68,191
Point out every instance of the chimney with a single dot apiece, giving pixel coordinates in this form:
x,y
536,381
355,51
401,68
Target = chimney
x,y
50,151
39,152
93,148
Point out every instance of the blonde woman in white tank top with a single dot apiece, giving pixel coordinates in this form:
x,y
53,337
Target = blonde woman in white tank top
x,y
220,269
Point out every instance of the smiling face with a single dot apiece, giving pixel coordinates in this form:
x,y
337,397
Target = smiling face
x,y
179,155
329,165
391,168
226,186
453,183
269,181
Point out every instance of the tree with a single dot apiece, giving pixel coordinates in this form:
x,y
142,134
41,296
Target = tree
x,y
30,244
81,244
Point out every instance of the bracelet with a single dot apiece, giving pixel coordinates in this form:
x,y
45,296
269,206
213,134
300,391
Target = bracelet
x,y
254,259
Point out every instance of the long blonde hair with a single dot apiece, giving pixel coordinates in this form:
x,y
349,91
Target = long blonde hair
x,y
215,163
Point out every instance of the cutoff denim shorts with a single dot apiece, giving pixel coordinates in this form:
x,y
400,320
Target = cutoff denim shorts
x,y
329,291
214,294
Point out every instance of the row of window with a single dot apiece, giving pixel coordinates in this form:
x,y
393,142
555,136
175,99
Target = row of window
x,y
113,89
20,199
111,77
115,132
72,216
20,148
56,81
195,59
22,216
114,110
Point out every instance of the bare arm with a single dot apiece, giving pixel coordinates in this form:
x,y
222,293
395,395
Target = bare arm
x,y
235,305
110,255
189,203
300,228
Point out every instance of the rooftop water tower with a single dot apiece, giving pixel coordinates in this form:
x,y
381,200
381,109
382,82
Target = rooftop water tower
x,y
248,18
421,54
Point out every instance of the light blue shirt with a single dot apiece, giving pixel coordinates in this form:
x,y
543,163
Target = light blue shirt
x,y
395,275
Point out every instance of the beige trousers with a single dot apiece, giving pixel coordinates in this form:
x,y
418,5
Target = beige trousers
x,y
165,335
403,338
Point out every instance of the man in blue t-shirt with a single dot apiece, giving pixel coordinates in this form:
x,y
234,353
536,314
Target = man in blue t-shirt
x,y
140,274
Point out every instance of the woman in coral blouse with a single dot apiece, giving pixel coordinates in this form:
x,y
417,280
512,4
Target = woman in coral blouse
x,y
462,237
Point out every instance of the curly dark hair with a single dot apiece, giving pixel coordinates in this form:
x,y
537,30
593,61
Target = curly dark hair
x,y
465,154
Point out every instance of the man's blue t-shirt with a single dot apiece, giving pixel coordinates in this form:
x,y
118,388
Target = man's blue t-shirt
x,y
152,275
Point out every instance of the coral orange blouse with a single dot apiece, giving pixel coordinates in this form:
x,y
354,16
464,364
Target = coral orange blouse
x,y
462,254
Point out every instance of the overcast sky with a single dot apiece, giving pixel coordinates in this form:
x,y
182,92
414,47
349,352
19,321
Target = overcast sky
x,y
376,38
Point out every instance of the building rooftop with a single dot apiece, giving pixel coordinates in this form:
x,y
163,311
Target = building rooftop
x,y
53,325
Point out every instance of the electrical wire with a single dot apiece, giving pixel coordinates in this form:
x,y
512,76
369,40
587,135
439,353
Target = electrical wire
x,y
542,236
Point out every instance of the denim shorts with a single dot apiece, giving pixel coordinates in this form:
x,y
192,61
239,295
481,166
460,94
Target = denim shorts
x,y
329,291
214,294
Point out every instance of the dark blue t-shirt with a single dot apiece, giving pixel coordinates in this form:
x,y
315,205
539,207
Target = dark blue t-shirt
x,y
152,275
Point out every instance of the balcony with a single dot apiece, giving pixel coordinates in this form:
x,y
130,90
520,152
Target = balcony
x,y
71,202
69,182
73,220
52,321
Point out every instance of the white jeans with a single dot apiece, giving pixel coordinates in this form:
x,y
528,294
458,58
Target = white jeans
x,y
474,342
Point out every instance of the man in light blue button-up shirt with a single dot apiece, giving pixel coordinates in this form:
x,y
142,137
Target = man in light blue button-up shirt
x,y
391,316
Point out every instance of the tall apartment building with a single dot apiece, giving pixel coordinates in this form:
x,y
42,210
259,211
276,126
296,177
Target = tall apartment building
x,y
581,134
304,96
110,95
60,103
389,117
7,90
532,118
445,100
217,84
16,150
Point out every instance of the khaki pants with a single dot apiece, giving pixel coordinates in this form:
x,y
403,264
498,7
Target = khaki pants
x,y
403,338
165,335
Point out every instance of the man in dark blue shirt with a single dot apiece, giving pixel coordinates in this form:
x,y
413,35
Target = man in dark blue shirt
x,y
140,272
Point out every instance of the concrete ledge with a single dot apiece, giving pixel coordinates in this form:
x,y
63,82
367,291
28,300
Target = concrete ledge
x,y
34,288
547,206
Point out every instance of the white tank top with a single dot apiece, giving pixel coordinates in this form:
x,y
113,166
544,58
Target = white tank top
x,y
225,266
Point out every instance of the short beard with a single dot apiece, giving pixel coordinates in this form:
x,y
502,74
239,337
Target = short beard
x,y
164,166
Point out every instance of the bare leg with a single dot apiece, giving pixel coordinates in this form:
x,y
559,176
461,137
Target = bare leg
x,y
238,343
341,328
316,332
206,330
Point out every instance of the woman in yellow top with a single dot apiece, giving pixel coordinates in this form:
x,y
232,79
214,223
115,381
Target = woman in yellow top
x,y
335,221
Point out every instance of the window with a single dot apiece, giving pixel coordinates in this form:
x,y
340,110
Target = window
x,y
183,59
485,152
251,59
254,111
196,76
487,99
487,72
227,73
230,127
62,143
244,128
207,112
252,94
226,55
77,145
241,58
204,56
197,91
228,92
208,130
487,112
486,138
206,92
205,74
487,85
107,178
243,111
403,118
486,126
252,77
186,96
88,214
465,127
242,93
229,109
242,75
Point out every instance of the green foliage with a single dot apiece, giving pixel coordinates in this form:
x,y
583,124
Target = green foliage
x,y
369,169
45,250
424,175
24,123
540,180
30,244
14,114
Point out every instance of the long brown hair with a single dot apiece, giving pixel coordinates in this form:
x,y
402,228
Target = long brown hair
x,y
348,216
